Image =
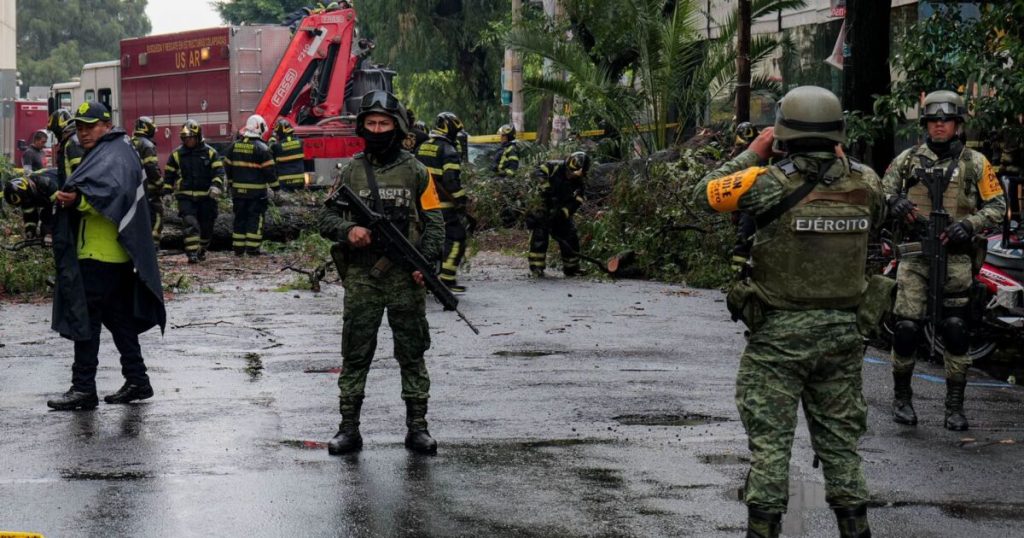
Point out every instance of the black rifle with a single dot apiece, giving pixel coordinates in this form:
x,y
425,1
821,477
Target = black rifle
x,y
398,248
933,248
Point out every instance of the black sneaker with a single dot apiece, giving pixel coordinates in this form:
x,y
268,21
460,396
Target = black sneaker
x,y
73,399
130,392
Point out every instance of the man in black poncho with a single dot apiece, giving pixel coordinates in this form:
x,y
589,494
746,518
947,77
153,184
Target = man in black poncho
x,y
107,272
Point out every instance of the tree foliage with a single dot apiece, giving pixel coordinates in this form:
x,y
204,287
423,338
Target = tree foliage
x,y
982,63
258,11
55,37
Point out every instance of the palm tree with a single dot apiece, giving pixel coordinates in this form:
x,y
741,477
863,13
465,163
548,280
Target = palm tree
x,y
670,68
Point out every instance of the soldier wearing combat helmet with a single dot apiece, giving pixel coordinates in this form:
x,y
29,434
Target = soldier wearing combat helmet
x,y
973,197
814,210
406,195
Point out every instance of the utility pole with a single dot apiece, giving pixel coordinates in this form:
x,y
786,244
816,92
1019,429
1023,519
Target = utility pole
x,y
559,121
866,71
515,65
743,64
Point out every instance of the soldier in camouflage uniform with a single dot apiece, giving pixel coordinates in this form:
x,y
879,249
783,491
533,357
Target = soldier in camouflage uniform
x,y
974,199
373,283
814,212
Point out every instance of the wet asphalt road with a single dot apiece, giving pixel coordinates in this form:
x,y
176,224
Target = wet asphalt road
x,y
583,409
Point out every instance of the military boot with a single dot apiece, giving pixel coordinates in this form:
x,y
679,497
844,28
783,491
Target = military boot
x,y
348,439
955,419
853,522
902,408
73,399
418,439
761,524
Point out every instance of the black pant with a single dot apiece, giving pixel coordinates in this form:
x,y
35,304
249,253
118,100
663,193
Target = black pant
x,y
454,243
247,233
568,243
109,296
199,216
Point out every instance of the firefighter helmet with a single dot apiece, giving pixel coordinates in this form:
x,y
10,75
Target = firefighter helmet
x,y
382,102
578,161
283,128
810,112
144,126
59,120
745,133
20,191
255,126
448,124
191,129
508,130
943,105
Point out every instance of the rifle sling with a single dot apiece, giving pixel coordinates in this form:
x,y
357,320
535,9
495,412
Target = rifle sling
x,y
787,203
371,180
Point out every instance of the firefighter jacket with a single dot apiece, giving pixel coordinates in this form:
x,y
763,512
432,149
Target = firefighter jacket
x,y
190,172
973,193
444,163
289,158
506,160
811,256
250,169
37,213
559,192
409,198
150,166
68,158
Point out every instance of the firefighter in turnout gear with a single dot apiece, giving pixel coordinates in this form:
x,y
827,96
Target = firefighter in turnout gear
x,y
250,172
814,211
973,198
440,154
195,173
69,153
33,194
393,181
142,141
288,155
561,195
506,160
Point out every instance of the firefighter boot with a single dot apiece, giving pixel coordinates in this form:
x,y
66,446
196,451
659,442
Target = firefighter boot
x,y
902,408
761,524
348,439
418,439
955,419
853,522
73,399
193,256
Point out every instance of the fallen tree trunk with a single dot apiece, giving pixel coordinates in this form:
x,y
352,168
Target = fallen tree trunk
x,y
283,223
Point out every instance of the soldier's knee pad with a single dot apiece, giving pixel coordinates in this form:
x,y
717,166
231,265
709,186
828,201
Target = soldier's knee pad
x,y
955,336
904,337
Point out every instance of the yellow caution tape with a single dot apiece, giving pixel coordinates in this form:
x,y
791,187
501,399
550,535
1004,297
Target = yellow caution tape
x,y
15,534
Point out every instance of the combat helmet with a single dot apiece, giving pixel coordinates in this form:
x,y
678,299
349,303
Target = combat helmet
x,y
810,112
943,105
382,102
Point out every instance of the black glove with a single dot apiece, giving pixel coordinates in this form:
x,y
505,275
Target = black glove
x,y
900,207
959,232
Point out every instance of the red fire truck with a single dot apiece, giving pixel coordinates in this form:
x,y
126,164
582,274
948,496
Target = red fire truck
x,y
18,122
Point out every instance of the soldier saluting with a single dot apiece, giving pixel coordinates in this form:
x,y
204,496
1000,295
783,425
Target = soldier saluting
x,y
814,211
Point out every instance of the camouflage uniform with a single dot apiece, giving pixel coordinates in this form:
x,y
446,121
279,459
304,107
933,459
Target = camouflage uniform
x,y
805,348
972,185
408,195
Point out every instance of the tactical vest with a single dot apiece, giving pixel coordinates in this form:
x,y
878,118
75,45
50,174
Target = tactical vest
x,y
398,184
960,197
812,257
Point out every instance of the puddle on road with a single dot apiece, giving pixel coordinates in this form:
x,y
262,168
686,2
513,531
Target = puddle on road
x,y
724,459
667,419
81,474
968,511
335,370
606,478
549,443
531,353
253,365
301,443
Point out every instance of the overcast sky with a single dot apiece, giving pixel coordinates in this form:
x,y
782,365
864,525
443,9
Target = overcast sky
x,y
179,15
